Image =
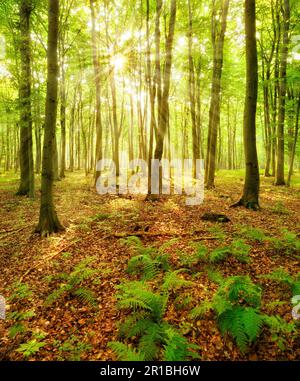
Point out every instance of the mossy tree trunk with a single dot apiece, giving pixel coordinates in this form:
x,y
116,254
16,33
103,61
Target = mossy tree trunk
x,y
48,222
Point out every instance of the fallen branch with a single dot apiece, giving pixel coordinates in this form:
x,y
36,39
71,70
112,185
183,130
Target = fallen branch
x,y
13,231
161,234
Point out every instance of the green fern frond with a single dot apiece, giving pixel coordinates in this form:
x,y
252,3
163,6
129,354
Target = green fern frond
x,y
240,250
124,352
280,275
178,348
15,329
20,315
56,294
144,265
137,296
219,254
252,234
87,296
237,288
20,291
243,324
278,325
215,276
173,282
167,245
134,304
149,342
200,311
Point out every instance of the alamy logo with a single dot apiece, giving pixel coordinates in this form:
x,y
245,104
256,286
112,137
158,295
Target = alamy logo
x,y
296,309
2,47
296,44
2,307
178,177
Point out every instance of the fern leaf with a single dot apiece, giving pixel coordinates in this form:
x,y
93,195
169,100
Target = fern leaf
x,y
173,282
87,296
124,353
200,311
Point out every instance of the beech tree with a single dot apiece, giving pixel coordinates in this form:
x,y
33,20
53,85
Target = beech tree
x,y
26,155
48,221
250,197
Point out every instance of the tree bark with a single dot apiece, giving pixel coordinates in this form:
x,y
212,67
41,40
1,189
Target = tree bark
x,y
163,117
97,73
288,183
250,197
26,187
279,177
215,105
48,222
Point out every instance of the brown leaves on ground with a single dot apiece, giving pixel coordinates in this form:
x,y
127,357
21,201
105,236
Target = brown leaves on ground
x,y
93,225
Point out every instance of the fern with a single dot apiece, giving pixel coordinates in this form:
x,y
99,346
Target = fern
x,y
22,315
138,248
144,265
219,254
177,347
20,291
137,296
240,250
236,304
242,323
86,295
280,275
192,259
173,282
279,329
237,289
252,234
73,284
15,329
125,353
215,276
200,311
30,348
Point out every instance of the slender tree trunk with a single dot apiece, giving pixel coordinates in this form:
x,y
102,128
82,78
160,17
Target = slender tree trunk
x,y
192,94
288,183
97,73
250,198
48,222
63,104
152,93
163,118
26,187
279,177
215,105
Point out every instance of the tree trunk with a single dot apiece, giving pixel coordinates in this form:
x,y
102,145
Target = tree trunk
x,y
250,198
26,187
279,178
192,94
48,222
215,105
163,117
294,144
97,73
63,104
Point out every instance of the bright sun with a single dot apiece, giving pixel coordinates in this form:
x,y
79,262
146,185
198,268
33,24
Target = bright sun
x,y
118,62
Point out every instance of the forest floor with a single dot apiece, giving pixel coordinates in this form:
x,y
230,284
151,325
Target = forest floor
x,y
71,329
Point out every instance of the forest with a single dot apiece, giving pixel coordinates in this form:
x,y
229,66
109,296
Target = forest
x,y
149,180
